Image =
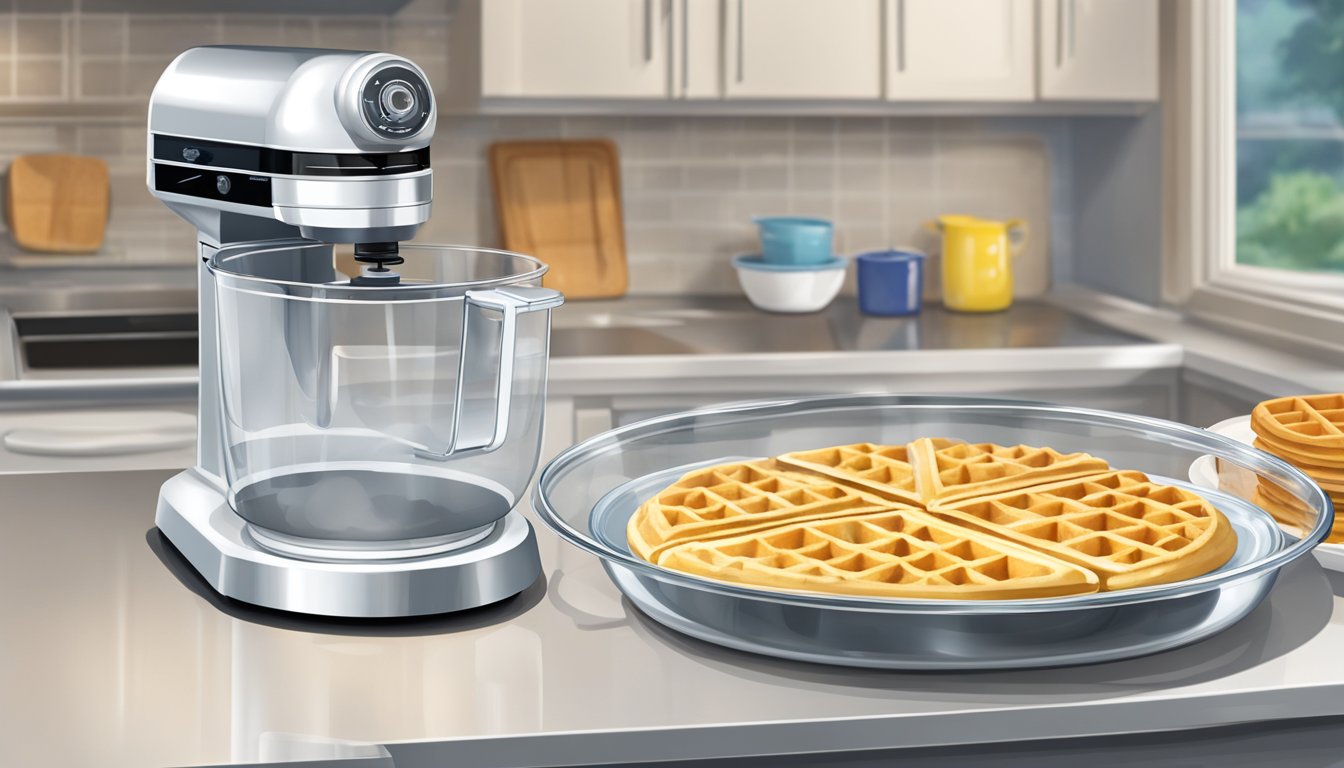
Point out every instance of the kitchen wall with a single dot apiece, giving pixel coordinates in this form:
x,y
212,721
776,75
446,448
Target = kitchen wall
x,y
78,81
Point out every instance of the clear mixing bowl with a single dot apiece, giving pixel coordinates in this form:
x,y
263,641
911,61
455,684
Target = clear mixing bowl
x,y
367,415
587,493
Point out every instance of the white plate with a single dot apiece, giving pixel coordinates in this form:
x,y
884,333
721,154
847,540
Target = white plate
x,y
1204,472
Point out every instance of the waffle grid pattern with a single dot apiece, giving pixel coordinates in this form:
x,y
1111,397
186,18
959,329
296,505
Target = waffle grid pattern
x,y
1107,522
817,520
738,497
879,553
959,470
885,469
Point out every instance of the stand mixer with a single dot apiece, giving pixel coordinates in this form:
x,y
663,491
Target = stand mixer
x,y
363,438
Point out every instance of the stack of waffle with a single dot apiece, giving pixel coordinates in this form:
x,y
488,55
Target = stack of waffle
x,y
932,519
1307,432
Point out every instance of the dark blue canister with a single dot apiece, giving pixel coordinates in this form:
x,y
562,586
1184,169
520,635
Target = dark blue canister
x,y
890,282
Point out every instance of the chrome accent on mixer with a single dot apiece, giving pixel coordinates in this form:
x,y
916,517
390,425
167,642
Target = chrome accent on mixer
x,y
377,81
345,209
212,539
241,111
303,99
346,551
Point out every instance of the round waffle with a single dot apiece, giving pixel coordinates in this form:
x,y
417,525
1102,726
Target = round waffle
x,y
932,519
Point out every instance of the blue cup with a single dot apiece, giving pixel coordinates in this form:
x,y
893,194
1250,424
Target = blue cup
x,y
890,282
795,240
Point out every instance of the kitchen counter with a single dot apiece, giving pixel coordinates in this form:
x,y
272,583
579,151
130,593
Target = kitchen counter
x,y
720,337
720,347
721,341
116,655
713,325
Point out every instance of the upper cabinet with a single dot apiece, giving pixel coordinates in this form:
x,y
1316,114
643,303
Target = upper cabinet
x,y
575,48
1098,50
799,55
803,49
960,50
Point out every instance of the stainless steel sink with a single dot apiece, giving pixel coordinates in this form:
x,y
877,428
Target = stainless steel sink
x,y
80,326
601,320
66,292
585,342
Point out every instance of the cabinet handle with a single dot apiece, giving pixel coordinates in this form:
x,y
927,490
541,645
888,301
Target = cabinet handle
x,y
741,66
1059,33
900,35
1073,26
648,31
685,47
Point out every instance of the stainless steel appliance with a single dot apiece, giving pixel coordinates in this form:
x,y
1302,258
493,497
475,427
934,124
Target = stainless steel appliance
x,y
363,438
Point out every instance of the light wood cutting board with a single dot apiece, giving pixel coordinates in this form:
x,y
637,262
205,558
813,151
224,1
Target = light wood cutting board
x,y
560,201
58,203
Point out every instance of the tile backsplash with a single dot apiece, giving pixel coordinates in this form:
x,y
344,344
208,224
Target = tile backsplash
x,y
690,184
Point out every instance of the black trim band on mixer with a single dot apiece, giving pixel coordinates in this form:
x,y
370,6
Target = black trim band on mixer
x,y
241,188
245,157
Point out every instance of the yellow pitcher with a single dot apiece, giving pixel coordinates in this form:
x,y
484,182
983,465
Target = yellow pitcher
x,y
977,266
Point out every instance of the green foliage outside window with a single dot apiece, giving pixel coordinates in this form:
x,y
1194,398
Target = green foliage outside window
x,y
1290,134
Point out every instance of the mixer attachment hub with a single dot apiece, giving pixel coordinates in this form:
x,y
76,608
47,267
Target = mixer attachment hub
x,y
376,258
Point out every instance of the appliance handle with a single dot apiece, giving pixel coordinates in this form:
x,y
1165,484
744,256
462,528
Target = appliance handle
x,y
900,35
508,303
648,31
741,42
1059,33
1017,235
1073,28
685,48
40,441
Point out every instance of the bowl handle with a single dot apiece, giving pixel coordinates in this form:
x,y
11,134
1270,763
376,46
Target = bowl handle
x,y
471,433
1017,235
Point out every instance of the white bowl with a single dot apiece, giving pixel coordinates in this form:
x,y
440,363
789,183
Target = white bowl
x,y
793,289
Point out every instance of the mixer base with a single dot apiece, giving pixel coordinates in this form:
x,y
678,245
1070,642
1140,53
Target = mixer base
x,y
196,518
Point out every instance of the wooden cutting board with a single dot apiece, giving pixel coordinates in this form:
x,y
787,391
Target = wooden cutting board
x,y
560,201
58,203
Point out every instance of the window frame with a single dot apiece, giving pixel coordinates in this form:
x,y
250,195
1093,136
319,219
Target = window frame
x,y
1200,272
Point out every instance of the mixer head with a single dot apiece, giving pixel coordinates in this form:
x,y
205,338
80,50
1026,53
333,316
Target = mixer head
x,y
251,143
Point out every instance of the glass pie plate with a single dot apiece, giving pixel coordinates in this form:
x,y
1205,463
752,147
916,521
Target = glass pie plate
x,y
588,492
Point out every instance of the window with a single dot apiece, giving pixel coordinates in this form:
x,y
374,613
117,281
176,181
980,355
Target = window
x,y
1253,114
1290,134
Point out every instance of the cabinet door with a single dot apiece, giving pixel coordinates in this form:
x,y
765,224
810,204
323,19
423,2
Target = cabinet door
x,y
1099,50
803,49
959,50
697,50
575,48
